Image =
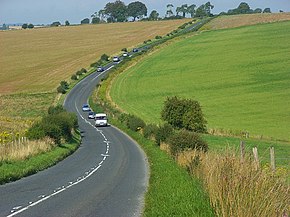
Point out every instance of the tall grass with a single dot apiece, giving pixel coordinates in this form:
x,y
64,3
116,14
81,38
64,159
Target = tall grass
x,y
21,150
238,188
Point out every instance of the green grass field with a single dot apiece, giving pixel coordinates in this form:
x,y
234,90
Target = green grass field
x,y
240,76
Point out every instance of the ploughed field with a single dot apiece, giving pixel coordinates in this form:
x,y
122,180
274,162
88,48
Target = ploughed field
x,y
240,76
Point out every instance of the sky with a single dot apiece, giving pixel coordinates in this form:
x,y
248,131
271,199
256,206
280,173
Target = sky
x,y
48,11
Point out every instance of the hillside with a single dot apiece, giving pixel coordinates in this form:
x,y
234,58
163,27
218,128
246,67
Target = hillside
x,y
36,60
240,76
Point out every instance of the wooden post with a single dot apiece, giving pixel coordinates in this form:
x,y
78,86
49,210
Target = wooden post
x,y
256,158
272,157
242,147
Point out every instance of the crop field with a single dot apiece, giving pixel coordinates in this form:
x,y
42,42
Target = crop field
x,y
37,60
240,76
233,21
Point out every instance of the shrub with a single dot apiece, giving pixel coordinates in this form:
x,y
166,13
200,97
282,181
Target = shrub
x,y
64,84
124,50
36,132
55,109
184,113
79,73
105,57
185,140
158,37
150,131
74,77
163,133
135,123
83,70
61,89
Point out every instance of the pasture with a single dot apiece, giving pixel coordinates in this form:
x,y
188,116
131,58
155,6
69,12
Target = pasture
x,y
240,76
37,60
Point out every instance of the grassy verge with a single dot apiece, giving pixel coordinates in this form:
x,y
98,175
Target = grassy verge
x,y
14,170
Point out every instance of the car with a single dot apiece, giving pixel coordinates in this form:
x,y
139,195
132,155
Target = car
x,y
125,54
86,108
100,69
135,50
116,59
91,115
101,120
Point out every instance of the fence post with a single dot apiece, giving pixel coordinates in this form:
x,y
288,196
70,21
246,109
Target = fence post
x,y
242,147
256,158
272,157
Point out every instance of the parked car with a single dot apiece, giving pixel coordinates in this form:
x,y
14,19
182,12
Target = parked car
x,y
125,54
91,115
116,59
100,69
135,50
86,108
101,120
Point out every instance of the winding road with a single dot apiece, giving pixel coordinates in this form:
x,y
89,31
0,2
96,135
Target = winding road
x,y
106,176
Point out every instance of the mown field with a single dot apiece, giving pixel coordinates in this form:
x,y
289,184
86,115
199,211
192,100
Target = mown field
x,y
224,22
240,76
37,60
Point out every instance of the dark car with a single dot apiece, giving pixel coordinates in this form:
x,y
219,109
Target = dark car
x,y
91,115
135,50
100,69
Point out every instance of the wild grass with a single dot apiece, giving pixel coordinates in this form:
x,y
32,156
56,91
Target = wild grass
x,y
37,60
238,188
22,149
239,76
19,165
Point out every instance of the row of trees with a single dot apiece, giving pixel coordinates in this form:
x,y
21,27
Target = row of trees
x,y
26,25
194,11
244,8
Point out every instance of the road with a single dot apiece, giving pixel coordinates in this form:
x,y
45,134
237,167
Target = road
x,y
106,176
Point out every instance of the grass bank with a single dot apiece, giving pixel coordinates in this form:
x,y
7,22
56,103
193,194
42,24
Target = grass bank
x,y
14,170
240,77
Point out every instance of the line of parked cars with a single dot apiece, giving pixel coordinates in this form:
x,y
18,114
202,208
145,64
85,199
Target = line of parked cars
x,y
101,119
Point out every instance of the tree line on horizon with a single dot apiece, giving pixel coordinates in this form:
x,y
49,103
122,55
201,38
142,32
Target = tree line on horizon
x,y
118,11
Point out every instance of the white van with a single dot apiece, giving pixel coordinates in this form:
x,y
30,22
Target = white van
x,y
101,120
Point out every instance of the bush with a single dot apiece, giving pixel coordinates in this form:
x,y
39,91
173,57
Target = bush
x,y
64,84
163,133
84,71
105,57
74,77
134,123
57,125
185,140
124,50
61,89
158,37
184,113
79,73
150,131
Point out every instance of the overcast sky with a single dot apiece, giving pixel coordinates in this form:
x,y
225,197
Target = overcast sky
x,y
48,11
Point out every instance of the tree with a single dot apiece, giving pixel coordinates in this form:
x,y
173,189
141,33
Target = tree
x,y
191,10
85,21
208,8
67,23
154,15
243,8
258,11
56,24
96,20
184,113
30,26
24,26
184,10
116,11
178,10
169,12
267,10
201,11
137,10
102,15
